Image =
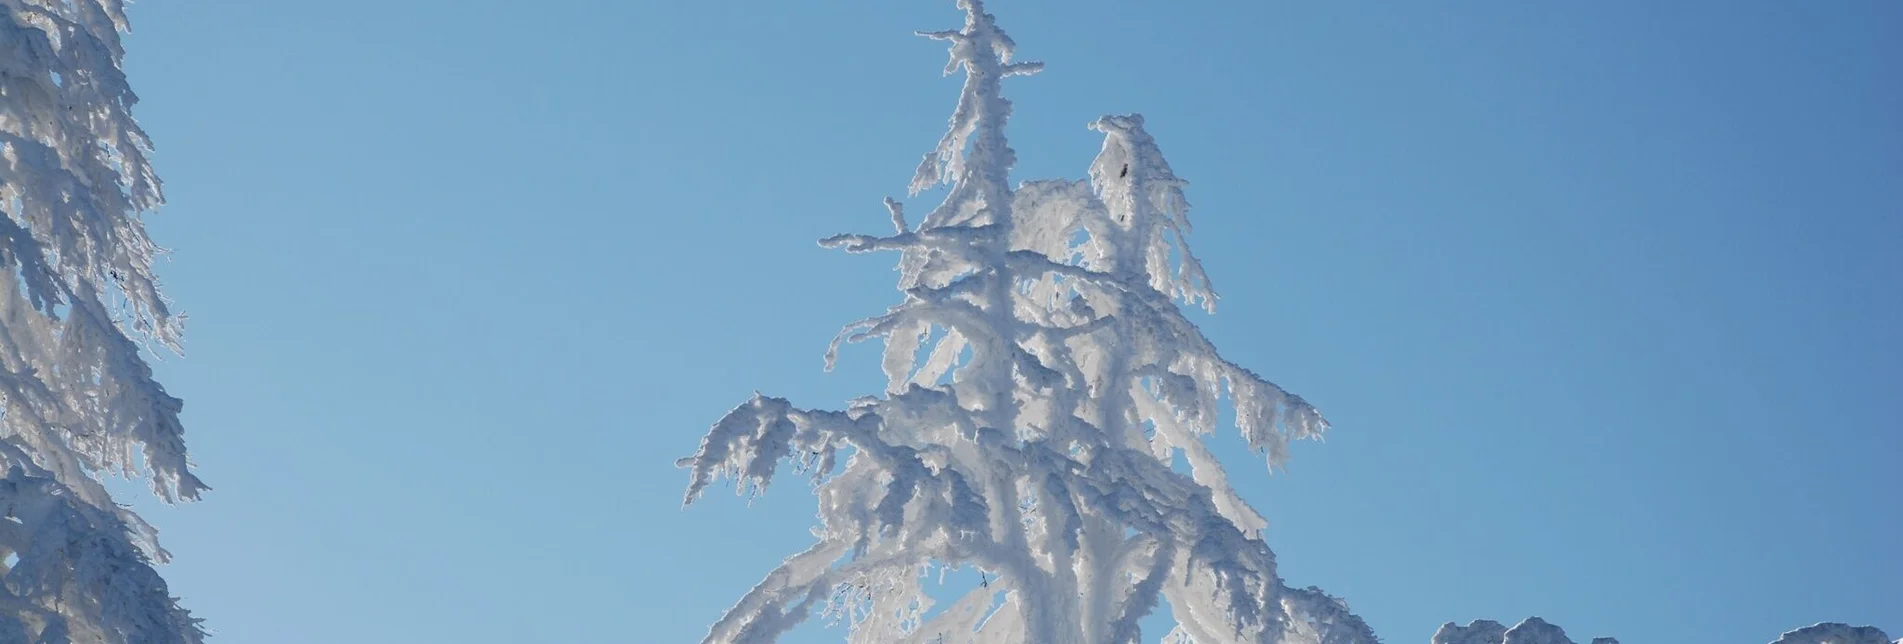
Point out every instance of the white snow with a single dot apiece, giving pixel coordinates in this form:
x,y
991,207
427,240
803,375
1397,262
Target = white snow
x,y
1045,461
1834,633
1537,631
1531,631
77,299
1034,441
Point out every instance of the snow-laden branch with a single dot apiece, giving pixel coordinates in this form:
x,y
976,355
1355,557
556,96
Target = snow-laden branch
x,y
78,299
80,575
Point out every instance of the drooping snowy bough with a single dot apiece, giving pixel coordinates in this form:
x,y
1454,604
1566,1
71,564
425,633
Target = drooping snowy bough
x,y
77,299
1034,440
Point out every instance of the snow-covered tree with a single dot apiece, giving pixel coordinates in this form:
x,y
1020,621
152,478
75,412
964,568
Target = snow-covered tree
x,y
1034,441
78,302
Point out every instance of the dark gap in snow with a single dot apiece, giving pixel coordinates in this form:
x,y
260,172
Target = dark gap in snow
x,y
1078,241
964,358
1175,244
920,355
950,584
997,604
1158,623
1179,461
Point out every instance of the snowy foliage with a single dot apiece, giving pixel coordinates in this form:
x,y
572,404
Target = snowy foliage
x,y
1485,631
78,301
1834,633
1034,440
1041,380
1537,631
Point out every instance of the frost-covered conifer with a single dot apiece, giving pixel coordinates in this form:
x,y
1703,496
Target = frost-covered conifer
x,y
1034,440
77,301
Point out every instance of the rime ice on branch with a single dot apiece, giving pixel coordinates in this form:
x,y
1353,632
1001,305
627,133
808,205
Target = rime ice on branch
x,y
77,297
1042,458
1537,631
1485,631
1834,633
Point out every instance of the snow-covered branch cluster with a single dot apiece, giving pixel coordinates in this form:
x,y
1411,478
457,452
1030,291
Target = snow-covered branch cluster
x,y
78,298
1538,631
1034,439
1835,633
1485,631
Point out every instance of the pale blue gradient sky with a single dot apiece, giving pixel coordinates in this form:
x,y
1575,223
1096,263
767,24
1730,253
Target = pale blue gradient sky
x,y
1603,298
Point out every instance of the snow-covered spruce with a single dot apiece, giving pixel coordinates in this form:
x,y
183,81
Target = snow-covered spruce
x,y
77,299
1034,441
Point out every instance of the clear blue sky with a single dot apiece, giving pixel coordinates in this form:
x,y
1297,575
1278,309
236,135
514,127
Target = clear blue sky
x,y
1603,298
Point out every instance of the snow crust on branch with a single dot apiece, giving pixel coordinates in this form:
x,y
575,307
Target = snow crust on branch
x,y
1034,439
78,300
1834,633
1537,631
1485,631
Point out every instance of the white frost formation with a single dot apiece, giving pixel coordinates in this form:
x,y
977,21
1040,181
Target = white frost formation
x,y
77,299
1536,631
1835,633
1485,631
1034,441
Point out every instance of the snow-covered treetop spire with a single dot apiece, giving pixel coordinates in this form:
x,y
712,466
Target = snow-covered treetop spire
x,y
1132,175
973,155
1034,440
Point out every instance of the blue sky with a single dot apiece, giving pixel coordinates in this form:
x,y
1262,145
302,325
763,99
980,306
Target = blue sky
x,y
1602,297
